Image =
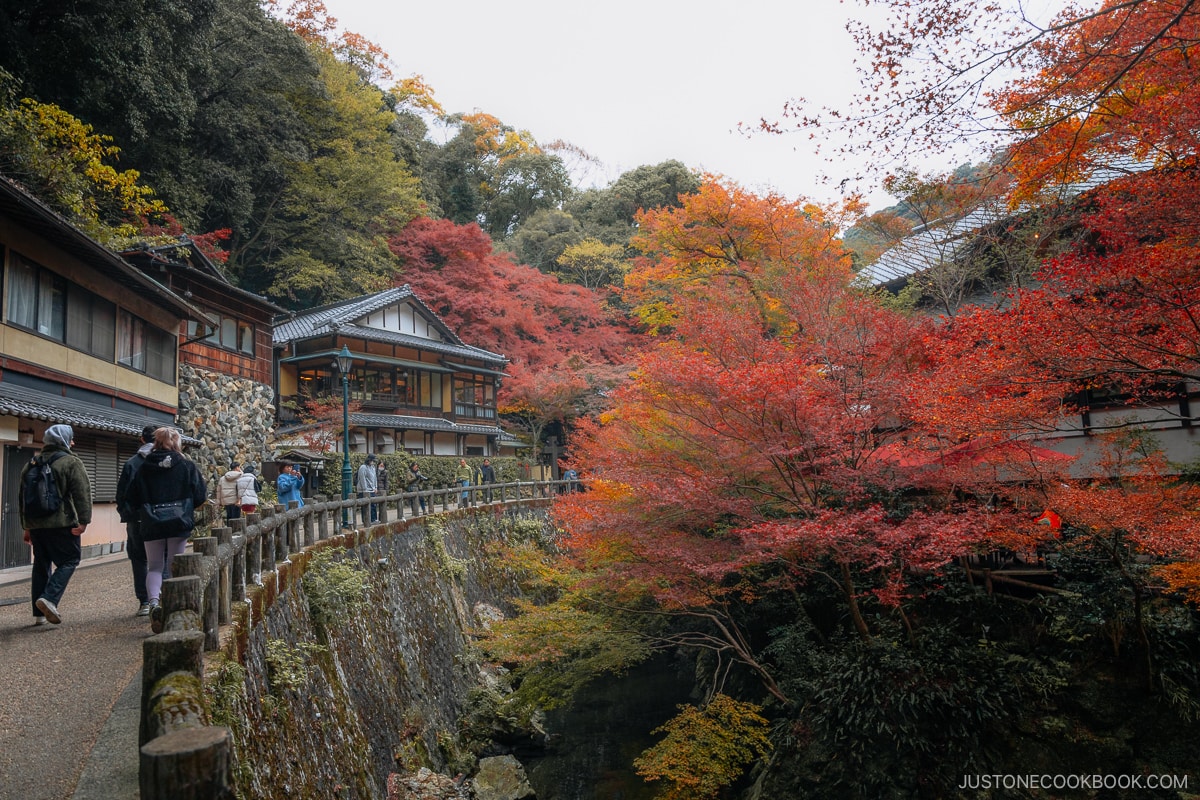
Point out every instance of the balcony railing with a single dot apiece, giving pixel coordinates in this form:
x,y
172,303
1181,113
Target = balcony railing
x,y
470,411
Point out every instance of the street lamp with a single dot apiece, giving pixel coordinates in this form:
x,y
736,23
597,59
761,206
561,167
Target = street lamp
x,y
344,362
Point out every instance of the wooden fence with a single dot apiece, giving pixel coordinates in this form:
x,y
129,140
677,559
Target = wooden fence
x,y
180,756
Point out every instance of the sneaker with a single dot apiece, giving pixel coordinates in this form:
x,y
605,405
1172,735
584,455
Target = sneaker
x,y
157,618
39,620
144,610
49,610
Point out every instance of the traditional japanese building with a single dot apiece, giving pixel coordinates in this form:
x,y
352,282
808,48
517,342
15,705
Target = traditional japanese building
x,y
414,385
86,340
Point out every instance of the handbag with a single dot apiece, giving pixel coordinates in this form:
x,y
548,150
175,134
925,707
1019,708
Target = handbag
x,y
168,519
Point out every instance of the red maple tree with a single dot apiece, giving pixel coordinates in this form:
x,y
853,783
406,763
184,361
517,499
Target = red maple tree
x,y
509,308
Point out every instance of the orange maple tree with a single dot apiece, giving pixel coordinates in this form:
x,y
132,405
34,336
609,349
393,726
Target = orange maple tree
x,y
769,432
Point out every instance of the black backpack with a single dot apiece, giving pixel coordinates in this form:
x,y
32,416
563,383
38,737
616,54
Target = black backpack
x,y
39,492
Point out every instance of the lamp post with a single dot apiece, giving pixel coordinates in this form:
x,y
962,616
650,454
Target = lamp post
x,y
343,362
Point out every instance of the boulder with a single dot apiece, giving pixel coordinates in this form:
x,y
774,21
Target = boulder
x,y
501,778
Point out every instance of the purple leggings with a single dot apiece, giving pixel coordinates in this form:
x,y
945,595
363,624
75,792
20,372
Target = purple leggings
x,y
159,555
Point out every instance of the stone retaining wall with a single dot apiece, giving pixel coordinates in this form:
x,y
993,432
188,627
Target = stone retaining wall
x,y
232,417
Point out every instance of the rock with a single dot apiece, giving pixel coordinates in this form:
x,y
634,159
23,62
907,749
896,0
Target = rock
x,y
502,778
425,785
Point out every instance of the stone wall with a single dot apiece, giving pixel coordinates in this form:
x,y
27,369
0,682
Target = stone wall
x,y
232,417
376,690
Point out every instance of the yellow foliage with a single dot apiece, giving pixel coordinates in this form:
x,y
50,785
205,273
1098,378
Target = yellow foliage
x,y
706,749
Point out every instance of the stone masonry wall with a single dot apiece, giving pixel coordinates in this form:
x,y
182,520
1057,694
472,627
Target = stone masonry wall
x,y
232,417
375,691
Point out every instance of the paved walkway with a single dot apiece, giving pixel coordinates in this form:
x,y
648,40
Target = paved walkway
x,y
69,706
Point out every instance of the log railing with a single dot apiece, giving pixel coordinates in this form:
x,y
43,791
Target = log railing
x,y
180,755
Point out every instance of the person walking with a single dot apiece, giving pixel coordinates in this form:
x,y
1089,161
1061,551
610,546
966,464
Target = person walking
x,y
227,492
462,476
248,487
135,546
288,485
381,478
415,479
54,534
487,476
366,485
167,490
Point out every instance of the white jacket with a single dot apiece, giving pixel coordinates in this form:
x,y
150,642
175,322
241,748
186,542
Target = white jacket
x,y
245,490
227,494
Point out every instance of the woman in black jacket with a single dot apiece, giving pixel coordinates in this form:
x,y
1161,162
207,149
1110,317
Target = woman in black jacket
x,y
166,476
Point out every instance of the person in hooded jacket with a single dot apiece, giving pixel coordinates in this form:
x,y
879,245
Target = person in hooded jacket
x,y
227,491
55,536
248,487
166,476
135,548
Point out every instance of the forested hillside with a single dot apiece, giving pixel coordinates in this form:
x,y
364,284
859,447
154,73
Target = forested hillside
x,y
287,147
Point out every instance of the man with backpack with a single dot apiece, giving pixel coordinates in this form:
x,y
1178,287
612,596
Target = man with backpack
x,y
55,504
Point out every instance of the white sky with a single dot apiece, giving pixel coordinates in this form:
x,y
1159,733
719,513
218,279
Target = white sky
x,y
634,82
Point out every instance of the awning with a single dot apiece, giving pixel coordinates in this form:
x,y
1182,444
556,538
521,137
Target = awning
x,y
21,401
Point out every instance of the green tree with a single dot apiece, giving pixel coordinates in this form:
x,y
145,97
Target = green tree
x,y
329,239
200,96
608,214
542,238
69,166
592,264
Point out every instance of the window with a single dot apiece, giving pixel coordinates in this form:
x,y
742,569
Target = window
x,y
91,323
37,299
230,333
132,339
145,348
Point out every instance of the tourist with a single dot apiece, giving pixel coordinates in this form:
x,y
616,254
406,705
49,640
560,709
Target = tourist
x,y
227,492
55,534
248,487
135,546
167,490
288,485
415,479
366,485
462,477
487,476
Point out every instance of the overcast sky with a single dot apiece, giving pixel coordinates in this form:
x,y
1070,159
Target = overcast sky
x,y
633,82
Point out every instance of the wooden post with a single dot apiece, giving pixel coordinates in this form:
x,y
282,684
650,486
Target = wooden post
x,y
310,536
283,534
214,587
253,548
237,567
224,537
268,541
323,520
188,764
182,604
177,652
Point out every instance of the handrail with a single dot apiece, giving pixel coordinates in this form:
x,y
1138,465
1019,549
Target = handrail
x,y
181,756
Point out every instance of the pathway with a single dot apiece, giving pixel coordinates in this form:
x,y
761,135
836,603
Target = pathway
x,y
68,727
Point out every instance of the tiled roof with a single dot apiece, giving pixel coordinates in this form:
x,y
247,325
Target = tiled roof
x,y
421,423
322,319
409,340
403,422
943,241
20,401
342,318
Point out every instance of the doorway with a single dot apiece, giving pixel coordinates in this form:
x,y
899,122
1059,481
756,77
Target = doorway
x,y
15,552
